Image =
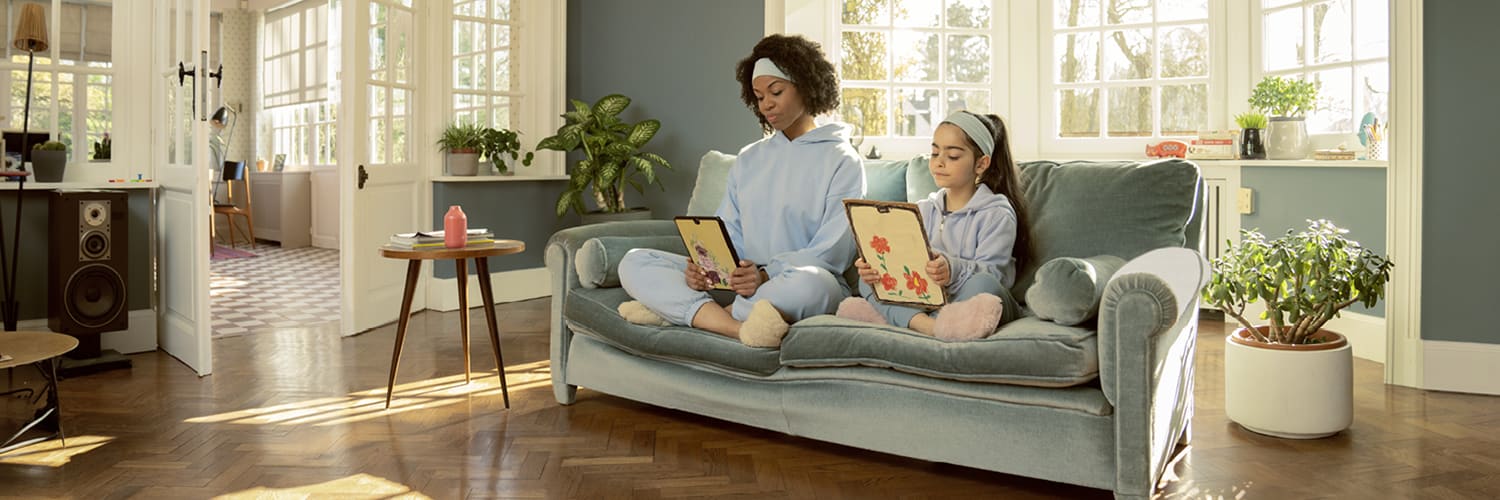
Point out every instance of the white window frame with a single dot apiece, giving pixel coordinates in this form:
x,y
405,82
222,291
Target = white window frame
x,y
1256,58
293,124
49,68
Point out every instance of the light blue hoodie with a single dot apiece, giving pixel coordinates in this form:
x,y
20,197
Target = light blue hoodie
x,y
976,238
785,200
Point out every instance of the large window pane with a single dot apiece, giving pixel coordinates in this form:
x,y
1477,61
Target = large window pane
x,y
1282,37
969,13
868,12
1334,111
1372,29
1184,51
916,13
1078,112
502,70
1127,12
1181,10
865,109
917,113
1184,109
1077,57
916,56
969,58
1331,25
1127,55
1130,112
1075,13
975,101
863,55
1372,87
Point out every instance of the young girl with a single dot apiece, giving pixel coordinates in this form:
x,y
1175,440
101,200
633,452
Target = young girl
x,y
783,209
977,228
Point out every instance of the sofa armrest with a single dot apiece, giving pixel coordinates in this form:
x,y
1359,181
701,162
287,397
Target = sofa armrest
x,y
1148,325
561,251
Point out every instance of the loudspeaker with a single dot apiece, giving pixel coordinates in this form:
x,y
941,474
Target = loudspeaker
x,y
86,273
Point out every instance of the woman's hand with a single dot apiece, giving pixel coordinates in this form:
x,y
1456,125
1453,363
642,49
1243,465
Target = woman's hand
x,y
746,279
696,278
867,274
938,269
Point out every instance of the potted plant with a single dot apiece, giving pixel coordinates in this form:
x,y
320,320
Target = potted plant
x,y
1252,145
612,158
462,142
102,148
499,143
50,160
1292,378
1286,100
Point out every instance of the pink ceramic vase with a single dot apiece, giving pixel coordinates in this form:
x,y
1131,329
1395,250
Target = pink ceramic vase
x,y
455,228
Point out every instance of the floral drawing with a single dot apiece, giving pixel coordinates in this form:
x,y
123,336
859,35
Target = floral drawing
x,y
705,260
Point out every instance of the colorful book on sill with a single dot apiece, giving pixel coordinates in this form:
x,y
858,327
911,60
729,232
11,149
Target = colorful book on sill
x,y
437,236
440,245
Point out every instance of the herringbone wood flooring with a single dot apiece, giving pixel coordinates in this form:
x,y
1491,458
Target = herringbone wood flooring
x,y
298,411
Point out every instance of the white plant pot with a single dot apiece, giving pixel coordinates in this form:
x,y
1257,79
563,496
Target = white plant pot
x,y
1289,393
1286,138
463,163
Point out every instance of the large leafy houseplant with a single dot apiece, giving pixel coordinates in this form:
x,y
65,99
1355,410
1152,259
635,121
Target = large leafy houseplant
x,y
612,154
1289,97
1304,279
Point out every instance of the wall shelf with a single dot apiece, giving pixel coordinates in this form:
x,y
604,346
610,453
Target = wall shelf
x,y
45,186
498,178
1297,163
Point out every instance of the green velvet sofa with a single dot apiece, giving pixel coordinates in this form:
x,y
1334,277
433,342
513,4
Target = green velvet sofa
x,y
1101,403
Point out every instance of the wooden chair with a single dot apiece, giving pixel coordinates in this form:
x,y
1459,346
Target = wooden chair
x,y
235,171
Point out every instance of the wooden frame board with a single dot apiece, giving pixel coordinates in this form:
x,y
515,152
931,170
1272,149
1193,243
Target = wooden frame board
x,y
893,241
707,243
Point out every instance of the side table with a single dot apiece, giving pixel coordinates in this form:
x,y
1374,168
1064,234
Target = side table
x,y
480,254
42,350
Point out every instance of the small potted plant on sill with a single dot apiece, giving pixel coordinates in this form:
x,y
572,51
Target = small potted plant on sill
x,y
1286,100
462,142
612,158
1252,144
498,144
50,159
1291,378
102,148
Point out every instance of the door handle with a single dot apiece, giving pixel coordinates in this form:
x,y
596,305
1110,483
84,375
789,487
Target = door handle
x,y
363,176
183,72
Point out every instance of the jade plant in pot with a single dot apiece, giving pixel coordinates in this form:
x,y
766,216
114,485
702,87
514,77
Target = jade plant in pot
x,y
1290,377
612,158
1252,140
50,160
1287,101
462,142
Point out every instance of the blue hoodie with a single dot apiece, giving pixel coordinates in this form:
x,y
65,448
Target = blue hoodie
x,y
784,204
976,238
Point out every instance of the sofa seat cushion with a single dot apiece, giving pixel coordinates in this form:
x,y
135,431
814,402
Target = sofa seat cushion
x,y
1028,351
595,313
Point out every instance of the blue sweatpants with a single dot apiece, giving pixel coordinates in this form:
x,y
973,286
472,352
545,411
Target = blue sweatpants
x,y
979,283
655,278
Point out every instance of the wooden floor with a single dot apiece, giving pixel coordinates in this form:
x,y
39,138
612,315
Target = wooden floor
x,y
298,411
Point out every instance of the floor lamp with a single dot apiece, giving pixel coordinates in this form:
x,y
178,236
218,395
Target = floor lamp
x,y
31,36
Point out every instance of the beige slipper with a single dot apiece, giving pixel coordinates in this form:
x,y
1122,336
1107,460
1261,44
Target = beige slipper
x,y
764,327
636,312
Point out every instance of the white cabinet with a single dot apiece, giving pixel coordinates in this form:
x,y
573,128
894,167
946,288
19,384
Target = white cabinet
x,y
282,205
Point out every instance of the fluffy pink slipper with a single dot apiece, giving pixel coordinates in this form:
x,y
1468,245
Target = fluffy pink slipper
x,y
971,319
859,309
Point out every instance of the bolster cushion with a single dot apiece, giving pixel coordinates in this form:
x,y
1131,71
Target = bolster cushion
x,y
598,260
1067,289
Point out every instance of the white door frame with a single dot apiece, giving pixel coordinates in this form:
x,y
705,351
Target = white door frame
x,y
1403,181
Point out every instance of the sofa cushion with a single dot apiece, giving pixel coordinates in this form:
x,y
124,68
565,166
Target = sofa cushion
x,y
598,259
1028,351
1087,208
919,181
885,180
594,312
1067,289
713,179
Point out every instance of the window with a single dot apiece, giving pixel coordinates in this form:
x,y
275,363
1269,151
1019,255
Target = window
x,y
1127,69
72,79
483,66
294,82
1342,43
906,64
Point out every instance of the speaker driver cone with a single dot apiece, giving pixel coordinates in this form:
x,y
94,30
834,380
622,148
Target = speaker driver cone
x,y
95,295
94,245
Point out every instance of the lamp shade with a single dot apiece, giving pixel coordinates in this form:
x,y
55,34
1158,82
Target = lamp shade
x,y
31,29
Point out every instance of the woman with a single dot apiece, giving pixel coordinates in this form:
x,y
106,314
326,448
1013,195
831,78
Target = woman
x,y
783,210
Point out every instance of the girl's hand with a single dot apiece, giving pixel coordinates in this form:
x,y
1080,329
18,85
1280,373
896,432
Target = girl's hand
x,y
745,279
867,274
696,278
938,269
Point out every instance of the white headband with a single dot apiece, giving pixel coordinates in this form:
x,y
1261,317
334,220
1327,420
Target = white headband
x,y
764,67
975,128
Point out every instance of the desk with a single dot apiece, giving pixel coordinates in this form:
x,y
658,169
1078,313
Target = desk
x,y
480,254
35,348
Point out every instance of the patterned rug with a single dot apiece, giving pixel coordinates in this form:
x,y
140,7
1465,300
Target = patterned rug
x,y
280,288
222,252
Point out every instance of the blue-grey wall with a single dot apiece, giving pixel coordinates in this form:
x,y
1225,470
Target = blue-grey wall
x,y
519,210
1353,198
31,284
1459,207
675,59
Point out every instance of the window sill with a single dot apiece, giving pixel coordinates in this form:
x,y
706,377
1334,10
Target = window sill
x,y
1297,163
498,178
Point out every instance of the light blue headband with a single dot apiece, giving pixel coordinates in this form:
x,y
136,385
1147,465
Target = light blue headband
x,y
975,128
764,67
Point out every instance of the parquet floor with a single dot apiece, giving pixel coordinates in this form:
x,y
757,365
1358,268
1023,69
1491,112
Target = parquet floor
x,y
295,412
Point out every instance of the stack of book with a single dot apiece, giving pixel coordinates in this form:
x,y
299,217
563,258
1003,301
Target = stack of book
x,y
433,240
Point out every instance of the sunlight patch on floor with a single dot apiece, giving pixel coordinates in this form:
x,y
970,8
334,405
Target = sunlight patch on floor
x,y
355,486
367,404
53,453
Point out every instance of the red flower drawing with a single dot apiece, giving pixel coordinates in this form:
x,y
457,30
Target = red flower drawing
x,y
916,283
888,282
881,245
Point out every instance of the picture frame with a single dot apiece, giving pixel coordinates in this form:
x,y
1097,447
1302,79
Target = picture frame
x,y
707,243
278,162
893,240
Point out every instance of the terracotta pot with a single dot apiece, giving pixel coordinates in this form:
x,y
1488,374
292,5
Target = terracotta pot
x,y
1292,391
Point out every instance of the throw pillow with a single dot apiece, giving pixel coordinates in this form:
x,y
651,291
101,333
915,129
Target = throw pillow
x,y
598,260
713,180
1067,289
919,182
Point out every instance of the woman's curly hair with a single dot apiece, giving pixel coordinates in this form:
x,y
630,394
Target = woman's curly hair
x,y
803,61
